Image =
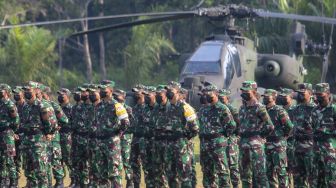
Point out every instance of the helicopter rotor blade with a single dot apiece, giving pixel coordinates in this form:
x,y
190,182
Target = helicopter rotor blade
x,y
135,23
96,18
319,19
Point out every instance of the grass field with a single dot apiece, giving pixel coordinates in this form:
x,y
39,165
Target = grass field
x,y
22,181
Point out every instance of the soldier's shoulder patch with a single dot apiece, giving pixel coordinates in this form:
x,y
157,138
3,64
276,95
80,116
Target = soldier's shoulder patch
x,y
121,111
189,112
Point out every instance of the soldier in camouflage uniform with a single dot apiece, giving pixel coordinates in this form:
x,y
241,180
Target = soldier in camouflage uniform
x,y
126,139
285,99
111,121
75,116
255,125
9,123
160,121
183,98
324,124
216,127
39,125
232,151
55,151
183,126
137,156
276,143
303,135
65,131
19,102
83,118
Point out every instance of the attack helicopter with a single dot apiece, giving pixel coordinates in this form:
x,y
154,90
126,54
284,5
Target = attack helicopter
x,y
229,58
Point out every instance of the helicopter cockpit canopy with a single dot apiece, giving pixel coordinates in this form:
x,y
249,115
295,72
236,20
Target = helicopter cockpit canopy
x,y
214,58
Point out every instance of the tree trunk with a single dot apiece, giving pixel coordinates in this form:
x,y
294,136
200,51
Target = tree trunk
x,y
87,56
102,45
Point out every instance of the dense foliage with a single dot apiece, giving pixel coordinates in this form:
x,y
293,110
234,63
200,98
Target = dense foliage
x,y
147,54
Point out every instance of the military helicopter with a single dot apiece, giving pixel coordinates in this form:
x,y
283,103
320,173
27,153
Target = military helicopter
x,y
228,59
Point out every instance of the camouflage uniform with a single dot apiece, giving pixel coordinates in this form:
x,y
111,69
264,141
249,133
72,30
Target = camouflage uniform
x,y
182,125
255,125
82,120
290,140
216,127
138,129
19,158
324,124
303,145
276,144
111,120
65,133
9,122
126,142
38,120
160,121
232,150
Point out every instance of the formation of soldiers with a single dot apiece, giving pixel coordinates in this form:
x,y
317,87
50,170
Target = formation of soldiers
x,y
275,143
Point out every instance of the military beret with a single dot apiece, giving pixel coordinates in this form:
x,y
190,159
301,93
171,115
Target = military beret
x,y
249,85
160,88
17,89
305,86
270,92
285,92
173,84
138,88
322,87
224,92
64,91
6,87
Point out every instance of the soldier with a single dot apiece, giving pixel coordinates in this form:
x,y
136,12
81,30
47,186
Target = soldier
x,y
55,152
324,124
65,131
19,102
216,127
161,133
148,137
183,125
303,135
255,125
126,139
111,121
276,143
285,98
75,116
9,123
137,129
39,125
232,150
81,127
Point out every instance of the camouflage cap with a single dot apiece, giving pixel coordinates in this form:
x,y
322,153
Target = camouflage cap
x,y
17,89
249,85
107,83
270,92
285,92
304,86
160,88
210,88
149,89
64,91
224,92
119,92
31,85
322,88
138,88
79,89
6,87
92,88
44,88
184,91
173,84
